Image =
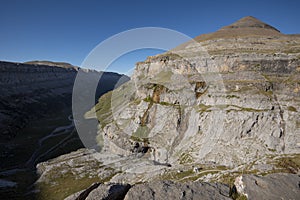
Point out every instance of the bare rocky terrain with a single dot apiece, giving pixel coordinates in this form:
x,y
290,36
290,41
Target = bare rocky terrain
x,y
193,121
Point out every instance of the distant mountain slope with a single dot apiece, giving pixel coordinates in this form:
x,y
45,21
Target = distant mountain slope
x,y
36,122
24,86
50,63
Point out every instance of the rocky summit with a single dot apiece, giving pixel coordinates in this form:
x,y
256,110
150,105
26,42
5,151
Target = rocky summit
x,y
217,107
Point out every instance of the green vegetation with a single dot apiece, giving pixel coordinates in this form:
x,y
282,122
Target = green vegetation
x,y
292,109
237,196
232,96
136,102
229,177
198,175
251,109
190,175
246,109
69,181
203,107
137,139
148,99
185,158
290,164
103,109
257,66
206,108
114,98
292,50
141,132
165,103
66,184
176,176
267,77
272,150
297,124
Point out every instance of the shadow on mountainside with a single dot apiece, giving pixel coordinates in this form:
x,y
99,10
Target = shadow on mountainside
x,y
43,129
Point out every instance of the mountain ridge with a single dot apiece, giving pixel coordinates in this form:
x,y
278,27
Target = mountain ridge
x,y
51,63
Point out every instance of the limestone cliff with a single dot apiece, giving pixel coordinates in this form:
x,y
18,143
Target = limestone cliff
x,y
224,104
227,100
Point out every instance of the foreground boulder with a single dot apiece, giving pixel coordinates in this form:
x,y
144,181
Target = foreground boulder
x,y
154,190
273,186
101,191
169,190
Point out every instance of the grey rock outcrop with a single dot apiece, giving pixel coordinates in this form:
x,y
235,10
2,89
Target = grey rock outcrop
x,y
112,191
154,190
169,190
273,186
72,163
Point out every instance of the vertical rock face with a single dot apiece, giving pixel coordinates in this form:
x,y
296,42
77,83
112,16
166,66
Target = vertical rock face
x,y
29,90
229,97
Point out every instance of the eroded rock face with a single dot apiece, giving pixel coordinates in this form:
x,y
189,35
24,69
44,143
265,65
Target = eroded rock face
x,y
273,186
227,103
226,100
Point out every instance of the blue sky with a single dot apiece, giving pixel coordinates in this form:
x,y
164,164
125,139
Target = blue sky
x,y
67,30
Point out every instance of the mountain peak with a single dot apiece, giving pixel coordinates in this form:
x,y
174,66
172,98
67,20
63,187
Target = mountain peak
x,y
249,22
246,27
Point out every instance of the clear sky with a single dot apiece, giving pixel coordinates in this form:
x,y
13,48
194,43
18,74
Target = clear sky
x,y
67,30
